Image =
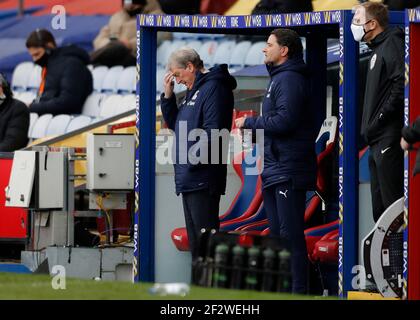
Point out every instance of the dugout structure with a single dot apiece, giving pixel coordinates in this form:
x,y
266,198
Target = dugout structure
x,y
316,27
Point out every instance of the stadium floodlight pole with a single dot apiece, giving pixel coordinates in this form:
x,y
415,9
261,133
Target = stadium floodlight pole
x,y
20,8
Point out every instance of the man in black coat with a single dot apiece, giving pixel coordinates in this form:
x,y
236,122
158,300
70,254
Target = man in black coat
x,y
66,81
14,120
383,107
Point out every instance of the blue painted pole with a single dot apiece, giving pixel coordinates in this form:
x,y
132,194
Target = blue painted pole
x,y
144,222
348,168
406,157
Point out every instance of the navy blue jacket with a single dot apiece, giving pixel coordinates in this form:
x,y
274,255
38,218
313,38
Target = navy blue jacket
x,y
68,82
289,127
208,105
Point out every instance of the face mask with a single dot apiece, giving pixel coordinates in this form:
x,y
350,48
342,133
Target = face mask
x,y
134,12
358,32
42,62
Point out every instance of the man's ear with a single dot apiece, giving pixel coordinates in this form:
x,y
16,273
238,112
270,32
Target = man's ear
x,y
50,45
375,24
190,67
284,51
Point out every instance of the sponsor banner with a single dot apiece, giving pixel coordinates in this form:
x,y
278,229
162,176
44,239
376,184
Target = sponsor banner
x,y
241,22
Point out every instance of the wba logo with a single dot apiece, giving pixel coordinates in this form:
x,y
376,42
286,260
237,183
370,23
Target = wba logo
x,y
414,15
150,20
234,22
159,20
195,21
247,21
142,19
256,21
185,21
167,21
268,20
203,22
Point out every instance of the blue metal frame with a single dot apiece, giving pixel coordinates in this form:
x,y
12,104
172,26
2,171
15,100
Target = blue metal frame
x,y
348,151
148,24
406,158
144,225
348,164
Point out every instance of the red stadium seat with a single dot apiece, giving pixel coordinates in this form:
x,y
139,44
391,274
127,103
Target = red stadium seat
x,y
245,204
326,249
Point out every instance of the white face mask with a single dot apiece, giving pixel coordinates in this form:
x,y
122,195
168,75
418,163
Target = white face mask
x,y
2,98
358,32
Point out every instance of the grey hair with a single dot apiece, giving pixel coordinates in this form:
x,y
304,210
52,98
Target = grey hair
x,y
183,56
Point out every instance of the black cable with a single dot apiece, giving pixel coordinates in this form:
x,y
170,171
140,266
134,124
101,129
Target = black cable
x,y
318,266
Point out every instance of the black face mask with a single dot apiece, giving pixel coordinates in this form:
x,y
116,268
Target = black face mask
x,y
42,62
134,12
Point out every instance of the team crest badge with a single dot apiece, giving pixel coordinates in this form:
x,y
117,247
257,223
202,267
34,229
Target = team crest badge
x,y
373,61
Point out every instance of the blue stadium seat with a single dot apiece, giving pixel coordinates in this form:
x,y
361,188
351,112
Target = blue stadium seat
x,y
237,58
34,79
160,73
127,81
223,52
92,105
162,51
40,127
58,125
255,55
33,117
20,77
195,44
78,122
109,85
26,97
207,52
175,45
111,106
128,102
98,75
